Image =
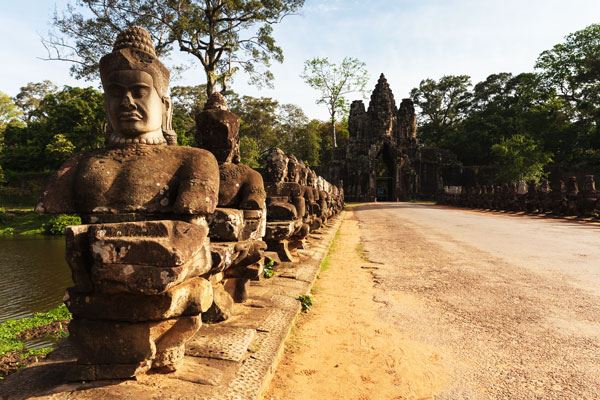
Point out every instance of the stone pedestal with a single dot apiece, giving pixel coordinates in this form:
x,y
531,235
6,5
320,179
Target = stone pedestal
x,y
138,294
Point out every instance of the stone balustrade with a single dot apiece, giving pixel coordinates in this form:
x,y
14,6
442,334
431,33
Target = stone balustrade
x,y
557,198
173,235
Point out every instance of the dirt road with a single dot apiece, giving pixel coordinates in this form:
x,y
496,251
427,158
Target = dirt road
x,y
461,305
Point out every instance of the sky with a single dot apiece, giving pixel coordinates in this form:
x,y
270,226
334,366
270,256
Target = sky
x,y
407,40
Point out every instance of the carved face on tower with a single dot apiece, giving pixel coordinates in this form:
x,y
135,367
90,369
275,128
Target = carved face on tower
x,y
135,91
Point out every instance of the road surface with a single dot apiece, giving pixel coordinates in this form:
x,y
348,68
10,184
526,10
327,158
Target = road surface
x,y
511,303
428,302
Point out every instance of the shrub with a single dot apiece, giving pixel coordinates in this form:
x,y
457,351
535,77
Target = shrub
x,y
57,225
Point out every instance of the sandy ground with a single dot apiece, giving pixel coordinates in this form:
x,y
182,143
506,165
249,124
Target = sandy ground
x,y
453,304
341,349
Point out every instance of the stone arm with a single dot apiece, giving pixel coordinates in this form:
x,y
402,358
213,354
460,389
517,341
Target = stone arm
x,y
198,190
59,194
241,187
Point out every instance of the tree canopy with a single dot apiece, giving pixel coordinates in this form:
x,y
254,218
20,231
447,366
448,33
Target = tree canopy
x,y
224,36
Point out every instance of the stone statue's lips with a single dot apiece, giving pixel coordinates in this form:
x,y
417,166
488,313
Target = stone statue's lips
x,y
130,116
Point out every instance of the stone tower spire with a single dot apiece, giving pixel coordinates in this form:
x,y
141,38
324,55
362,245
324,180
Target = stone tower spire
x,y
382,109
407,120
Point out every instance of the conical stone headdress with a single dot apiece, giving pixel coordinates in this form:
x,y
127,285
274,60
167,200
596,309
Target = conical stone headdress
x,y
133,50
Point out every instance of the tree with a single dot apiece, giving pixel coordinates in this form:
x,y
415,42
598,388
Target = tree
x,y
335,81
31,95
520,158
443,103
8,110
187,101
59,149
71,120
572,68
223,35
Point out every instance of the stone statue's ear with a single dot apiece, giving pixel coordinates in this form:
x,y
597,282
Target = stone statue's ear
x,y
167,121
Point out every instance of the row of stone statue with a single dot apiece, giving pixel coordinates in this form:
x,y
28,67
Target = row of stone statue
x,y
558,198
172,235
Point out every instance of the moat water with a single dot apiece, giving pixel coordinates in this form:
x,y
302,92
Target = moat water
x,y
33,275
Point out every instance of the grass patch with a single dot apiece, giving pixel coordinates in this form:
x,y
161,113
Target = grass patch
x,y
24,221
15,332
305,301
326,263
269,269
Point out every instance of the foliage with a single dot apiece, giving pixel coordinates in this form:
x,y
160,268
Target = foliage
x,y
520,158
249,151
443,104
305,301
57,224
269,269
11,330
31,95
334,82
524,125
222,35
8,111
187,101
60,148
65,122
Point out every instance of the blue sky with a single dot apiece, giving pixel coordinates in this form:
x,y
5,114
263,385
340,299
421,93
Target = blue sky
x,y
407,40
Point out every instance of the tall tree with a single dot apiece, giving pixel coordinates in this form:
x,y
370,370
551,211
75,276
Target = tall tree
x,y
443,103
573,69
223,35
334,82
8,110
31,95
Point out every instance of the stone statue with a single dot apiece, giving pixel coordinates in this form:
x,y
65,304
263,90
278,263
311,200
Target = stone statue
x,y
140,267
137,173
217,131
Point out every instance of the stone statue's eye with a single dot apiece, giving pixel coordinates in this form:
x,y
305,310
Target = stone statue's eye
x,y
115,90
140,91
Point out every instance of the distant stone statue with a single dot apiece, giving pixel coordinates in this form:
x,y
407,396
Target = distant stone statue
x,y
140,267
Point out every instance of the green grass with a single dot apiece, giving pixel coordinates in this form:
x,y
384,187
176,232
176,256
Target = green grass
x,y
269,270
11,329
24,221
305,301
326,263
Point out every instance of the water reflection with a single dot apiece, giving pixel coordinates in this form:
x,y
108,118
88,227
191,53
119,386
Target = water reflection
x,y
33,275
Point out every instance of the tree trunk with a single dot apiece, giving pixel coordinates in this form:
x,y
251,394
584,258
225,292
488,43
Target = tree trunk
x,y
333,130
210,83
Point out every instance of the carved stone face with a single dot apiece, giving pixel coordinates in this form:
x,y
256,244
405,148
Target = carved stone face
x,y
133,105
276,166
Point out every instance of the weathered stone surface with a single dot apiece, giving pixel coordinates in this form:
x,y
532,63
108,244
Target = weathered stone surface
x,y
189,298
107,342
79,257
138,293
255,224
223,343
237,288
277,231
222,307
226,224
148,279
156,243
281,212
217,130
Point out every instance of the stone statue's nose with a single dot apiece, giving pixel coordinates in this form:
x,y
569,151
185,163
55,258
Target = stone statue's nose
x,y
127,101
